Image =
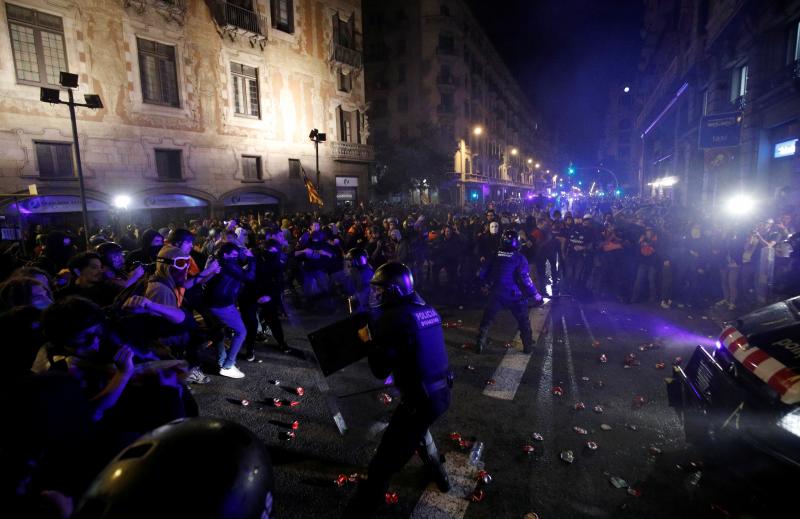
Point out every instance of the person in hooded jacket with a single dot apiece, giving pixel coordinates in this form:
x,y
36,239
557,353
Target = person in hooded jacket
x,y
147,253
58,250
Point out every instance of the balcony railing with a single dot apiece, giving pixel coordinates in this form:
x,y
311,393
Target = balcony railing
x,y
352,152
230,15
346,55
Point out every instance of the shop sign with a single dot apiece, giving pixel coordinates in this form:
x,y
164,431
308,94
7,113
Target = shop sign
x,y
171,200
250,199
785,148
56,204
346,181
720,130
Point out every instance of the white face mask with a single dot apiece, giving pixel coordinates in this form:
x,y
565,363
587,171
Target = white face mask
x,y
494,228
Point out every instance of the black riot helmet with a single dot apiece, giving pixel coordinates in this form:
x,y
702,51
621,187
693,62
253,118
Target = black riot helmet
x,y
510,240
391,283
357,257
149,478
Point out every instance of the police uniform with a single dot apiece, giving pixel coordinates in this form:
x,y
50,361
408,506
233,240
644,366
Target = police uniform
x,y
408,343
510,286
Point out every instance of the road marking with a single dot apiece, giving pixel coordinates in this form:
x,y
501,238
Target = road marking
x,y
573,381
452,505
586,323
543,397
508,374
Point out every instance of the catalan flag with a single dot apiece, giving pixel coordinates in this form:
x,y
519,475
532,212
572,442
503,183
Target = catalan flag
x,y
313,195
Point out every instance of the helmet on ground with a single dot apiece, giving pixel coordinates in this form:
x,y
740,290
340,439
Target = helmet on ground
x,y
391,282
357,257
510,240
149,478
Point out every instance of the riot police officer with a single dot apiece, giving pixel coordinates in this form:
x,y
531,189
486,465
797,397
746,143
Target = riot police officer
x,y
406,340
509,285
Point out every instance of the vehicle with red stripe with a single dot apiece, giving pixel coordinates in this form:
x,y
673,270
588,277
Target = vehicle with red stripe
x,y
747,388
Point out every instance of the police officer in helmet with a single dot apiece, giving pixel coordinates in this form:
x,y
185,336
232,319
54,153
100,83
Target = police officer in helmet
x,y
508,285
406,340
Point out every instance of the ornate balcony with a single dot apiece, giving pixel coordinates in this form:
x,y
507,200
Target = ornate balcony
x,y
233,21
346,56
351,152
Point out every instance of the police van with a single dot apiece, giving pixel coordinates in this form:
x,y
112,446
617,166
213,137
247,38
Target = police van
x,y
747,388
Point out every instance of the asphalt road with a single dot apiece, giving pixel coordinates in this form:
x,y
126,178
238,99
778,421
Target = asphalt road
x,y
641,441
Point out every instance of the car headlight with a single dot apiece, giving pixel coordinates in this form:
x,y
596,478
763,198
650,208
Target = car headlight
x,y
791,422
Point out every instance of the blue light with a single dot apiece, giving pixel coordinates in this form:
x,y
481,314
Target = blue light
x,y
580,182
618,192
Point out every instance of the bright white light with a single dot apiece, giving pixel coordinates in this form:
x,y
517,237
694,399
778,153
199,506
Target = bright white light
x,y
514,151
537,165
122,201
740,205
626,89
669,181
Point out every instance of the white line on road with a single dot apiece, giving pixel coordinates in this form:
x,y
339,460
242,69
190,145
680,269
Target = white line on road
x,y
508,374
586,323
452,505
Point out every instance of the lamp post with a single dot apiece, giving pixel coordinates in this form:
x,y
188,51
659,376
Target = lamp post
x,y
316,137
52,96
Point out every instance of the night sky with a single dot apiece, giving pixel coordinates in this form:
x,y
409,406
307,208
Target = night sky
x,y
567,54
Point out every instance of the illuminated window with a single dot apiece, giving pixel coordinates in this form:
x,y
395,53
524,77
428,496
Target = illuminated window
x,y
785,148
739,82
37,42
158,71
245,90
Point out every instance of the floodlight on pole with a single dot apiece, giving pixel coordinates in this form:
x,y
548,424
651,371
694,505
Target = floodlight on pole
x,y
122,201
477,131
514,151
52,96
537,165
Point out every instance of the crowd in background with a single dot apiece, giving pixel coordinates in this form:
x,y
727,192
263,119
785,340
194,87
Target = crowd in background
x,y
103,342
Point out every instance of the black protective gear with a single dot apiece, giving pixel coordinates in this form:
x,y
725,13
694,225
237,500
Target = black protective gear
x,y
149,478
396,281
106,250
510,240
357,257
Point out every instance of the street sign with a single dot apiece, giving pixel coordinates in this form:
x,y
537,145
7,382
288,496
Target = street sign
x,y
720,130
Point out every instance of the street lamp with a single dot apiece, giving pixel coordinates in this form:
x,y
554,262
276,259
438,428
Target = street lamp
x,y
316,137
514,151
626,89
477,131
122,201
53,96
537,165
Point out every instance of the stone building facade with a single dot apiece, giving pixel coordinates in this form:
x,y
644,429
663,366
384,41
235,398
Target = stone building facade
x,y
208,105
713,61
428,62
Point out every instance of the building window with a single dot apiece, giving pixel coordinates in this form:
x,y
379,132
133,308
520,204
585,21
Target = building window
x,y
345,81
402,103
251,168
739,83
54,159
348,125
344,32
283,15
245,90
401,73
447,44
168,164
294,168
37,42
158,72
446,105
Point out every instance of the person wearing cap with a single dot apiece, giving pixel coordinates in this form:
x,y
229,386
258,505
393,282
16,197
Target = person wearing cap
x,y
579,259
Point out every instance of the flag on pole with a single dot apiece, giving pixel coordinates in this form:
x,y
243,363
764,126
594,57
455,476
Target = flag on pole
x,y
313,195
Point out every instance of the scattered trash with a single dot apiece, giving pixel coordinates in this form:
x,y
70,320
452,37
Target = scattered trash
x,y
470,367
605,426
477,496
598,409
567,456
646,347
465,444
538,437
294,403
579,406
585,379
635,492
598,384
602,358
275,382
654,451
245,402
341,480
508,345
460,307
677,360
591,445
705,318
595,344
528,449
660,365
299,391
720,511
465,346
691,317
580,430
288,435
386,398
484,477
490,382
631,360
694,479
632,427
455,436
277,402
639,401
476,453
609,338
618,482
391,498
295,425
557,391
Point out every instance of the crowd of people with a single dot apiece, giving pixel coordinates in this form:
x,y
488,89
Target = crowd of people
x,y
104,342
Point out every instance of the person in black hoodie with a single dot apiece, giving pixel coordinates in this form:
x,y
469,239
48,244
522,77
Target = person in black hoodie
x,y
222,293
58,249
146,254
263,298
